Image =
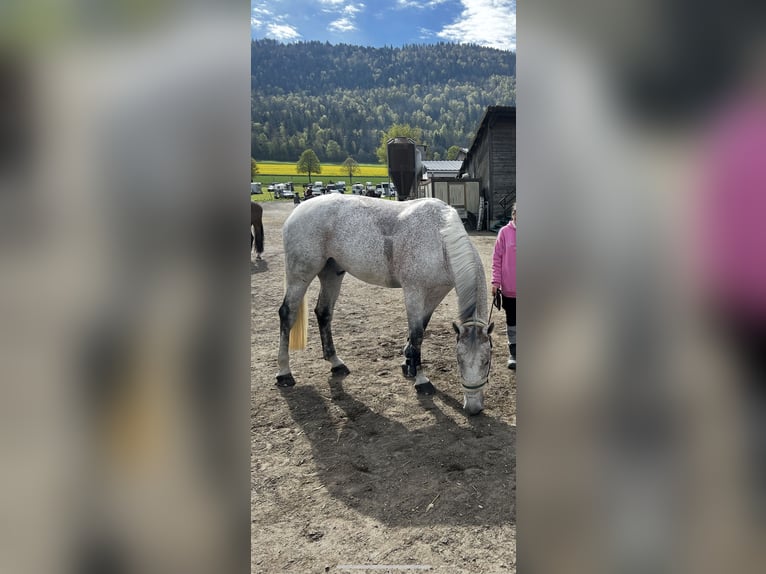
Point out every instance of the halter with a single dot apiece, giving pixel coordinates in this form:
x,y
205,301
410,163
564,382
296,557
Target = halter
x,y
485,380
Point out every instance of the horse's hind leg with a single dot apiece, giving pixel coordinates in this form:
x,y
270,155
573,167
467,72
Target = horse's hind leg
x,y
330,279
288,313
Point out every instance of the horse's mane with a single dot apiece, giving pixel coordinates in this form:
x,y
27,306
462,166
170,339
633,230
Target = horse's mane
x,y
467,270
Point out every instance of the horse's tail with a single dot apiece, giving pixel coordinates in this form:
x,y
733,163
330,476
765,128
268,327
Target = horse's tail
x,y
258,238
300,329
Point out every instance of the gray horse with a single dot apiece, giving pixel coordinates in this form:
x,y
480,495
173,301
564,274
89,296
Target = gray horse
x,y
419,246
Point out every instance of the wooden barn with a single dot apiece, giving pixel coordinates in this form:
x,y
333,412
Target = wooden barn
x,y
491,159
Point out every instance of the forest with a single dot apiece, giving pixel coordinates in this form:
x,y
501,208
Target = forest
x,y
339,99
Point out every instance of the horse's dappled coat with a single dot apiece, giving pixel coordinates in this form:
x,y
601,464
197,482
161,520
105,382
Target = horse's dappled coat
x,y
419,246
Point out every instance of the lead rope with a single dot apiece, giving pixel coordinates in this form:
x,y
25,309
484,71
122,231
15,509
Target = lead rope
x,y
497,301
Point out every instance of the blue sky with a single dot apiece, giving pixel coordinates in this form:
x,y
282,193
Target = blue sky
x,y
395,22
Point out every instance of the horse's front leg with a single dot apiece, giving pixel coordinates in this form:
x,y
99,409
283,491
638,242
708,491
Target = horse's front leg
x,y
420,305
330,279
411,366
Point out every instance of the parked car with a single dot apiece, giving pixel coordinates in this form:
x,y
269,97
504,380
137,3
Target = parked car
x,y
332,188
272,186
341,185
255,187
283,192
382,190
357,189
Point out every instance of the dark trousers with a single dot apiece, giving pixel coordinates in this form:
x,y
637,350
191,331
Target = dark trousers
x,y
509,304
748,340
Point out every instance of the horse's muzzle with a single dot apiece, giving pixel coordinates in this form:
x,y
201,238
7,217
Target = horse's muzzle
x,y
473,403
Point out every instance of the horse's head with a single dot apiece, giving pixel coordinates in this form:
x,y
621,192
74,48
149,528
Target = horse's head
x,y
474,358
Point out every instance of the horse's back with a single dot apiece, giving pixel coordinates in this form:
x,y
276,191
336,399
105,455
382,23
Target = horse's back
x,y
378,241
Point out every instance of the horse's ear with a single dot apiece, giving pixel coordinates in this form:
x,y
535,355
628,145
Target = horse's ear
x,y
490,328
456,327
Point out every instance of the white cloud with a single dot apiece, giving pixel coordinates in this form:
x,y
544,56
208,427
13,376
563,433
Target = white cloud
x,y
419,3
342,25
347,13
259,15
271,25
486,22
352,9
283,32
425,33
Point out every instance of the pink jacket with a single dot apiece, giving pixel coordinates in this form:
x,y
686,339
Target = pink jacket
x,y
504,260
732,250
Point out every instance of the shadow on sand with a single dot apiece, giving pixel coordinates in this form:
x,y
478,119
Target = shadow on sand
x,y
382,469
258,266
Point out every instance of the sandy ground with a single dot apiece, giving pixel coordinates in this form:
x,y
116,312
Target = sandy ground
x,y
363,471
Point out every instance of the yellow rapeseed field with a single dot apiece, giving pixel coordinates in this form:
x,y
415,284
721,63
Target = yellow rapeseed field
x,y
328,170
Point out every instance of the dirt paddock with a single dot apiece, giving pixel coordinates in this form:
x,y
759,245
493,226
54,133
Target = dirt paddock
x,y
362,471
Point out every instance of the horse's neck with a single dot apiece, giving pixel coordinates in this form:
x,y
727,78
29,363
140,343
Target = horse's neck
x,y
466,269
471,291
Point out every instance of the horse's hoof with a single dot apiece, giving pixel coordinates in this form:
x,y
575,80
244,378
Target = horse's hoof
x,y
285,380
341,370
425,389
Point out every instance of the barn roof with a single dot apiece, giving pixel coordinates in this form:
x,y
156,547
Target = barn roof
x,y
443,168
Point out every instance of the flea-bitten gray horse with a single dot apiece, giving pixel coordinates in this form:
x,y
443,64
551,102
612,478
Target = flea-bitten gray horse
x,y
419,246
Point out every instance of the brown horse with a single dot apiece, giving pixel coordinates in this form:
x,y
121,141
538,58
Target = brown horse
x,y
256,231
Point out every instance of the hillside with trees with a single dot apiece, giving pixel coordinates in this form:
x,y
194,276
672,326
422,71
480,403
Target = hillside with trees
x,y
338,99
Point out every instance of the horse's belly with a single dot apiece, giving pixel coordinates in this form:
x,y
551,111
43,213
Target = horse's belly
x,y
376,279
373,270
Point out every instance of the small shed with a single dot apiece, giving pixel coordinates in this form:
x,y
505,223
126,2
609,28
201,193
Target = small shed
x,y
462,194
438,169
491,159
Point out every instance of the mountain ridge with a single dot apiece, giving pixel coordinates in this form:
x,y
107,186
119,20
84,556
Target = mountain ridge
x,y
338,98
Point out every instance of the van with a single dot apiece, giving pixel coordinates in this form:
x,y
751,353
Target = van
x,y
255,187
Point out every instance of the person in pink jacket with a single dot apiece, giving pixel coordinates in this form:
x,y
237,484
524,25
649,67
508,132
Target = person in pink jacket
x,y
504,280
